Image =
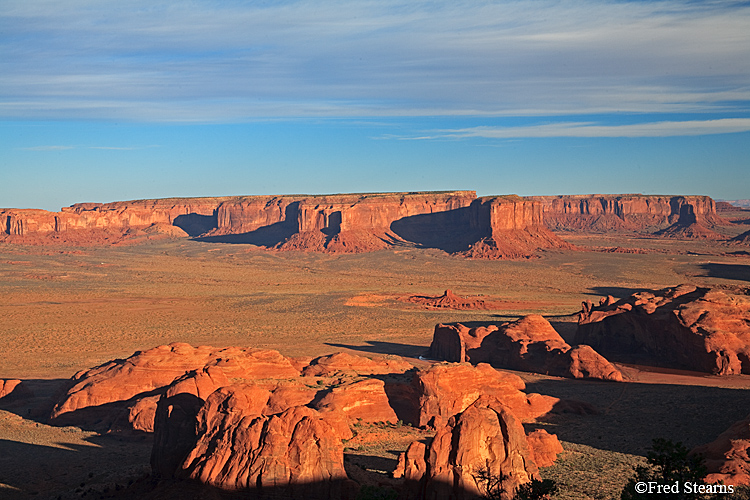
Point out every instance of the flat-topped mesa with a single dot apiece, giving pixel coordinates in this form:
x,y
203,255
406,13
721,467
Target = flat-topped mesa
x,y
355,223
454,221
632,212
512,227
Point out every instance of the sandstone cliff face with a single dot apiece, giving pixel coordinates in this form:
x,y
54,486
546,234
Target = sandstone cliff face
x,y
683,327
498,227
455,221
512,227
528,344
640,213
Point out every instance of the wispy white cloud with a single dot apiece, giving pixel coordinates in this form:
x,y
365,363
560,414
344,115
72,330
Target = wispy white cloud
x,y
64,148
47,148
590,129
225,61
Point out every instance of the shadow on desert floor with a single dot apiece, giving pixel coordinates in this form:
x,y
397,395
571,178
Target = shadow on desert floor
x,y
739,272
386,348
632,414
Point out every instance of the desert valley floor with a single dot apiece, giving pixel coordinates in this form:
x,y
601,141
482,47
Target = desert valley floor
x,y
65,309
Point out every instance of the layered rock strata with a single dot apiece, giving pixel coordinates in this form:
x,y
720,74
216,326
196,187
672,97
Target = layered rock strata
x,y
528,344
679,216
455,221
682,327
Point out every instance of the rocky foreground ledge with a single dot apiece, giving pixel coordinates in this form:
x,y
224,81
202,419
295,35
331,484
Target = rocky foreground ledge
x,y
243,419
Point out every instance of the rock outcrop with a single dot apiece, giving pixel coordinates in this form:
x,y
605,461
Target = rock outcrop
x,y
679,216
349,365
123,394
485,440
12,388
727,458
228,444
252,419
528,344
544,447
443,390
516,229
682,327
449,300
102,390
742,239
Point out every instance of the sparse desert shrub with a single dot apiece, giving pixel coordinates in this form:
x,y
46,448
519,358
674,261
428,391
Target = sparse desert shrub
x,y
369,492
534,490
672,473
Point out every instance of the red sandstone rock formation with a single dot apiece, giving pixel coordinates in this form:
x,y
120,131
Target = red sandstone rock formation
x,y
447,389
683,327
234,447
347,364
485,438
448,300
457,221
743,239
528,344
149,372
12,388
680,216
516,229
364,400
544,447
727,458
123,394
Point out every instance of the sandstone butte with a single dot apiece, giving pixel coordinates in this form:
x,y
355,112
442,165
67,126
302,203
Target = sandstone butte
x,y
727,458
529,344
449,300
683,327
241,418
454,221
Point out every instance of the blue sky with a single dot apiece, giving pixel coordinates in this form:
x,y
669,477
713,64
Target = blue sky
x,y
105,101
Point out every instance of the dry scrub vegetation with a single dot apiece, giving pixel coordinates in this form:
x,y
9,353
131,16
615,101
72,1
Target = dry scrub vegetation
x,y
66,309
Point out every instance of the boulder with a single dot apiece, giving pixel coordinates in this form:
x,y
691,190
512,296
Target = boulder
x,y
684,327
528,344
483,442
544,447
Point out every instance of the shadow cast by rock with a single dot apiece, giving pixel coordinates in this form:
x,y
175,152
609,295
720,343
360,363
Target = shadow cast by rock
x,y
632,414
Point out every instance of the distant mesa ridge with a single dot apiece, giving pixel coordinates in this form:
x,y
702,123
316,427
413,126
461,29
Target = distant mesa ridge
x,y
454,221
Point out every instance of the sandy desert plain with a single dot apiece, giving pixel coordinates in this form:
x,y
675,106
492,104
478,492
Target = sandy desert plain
x,y
67,308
